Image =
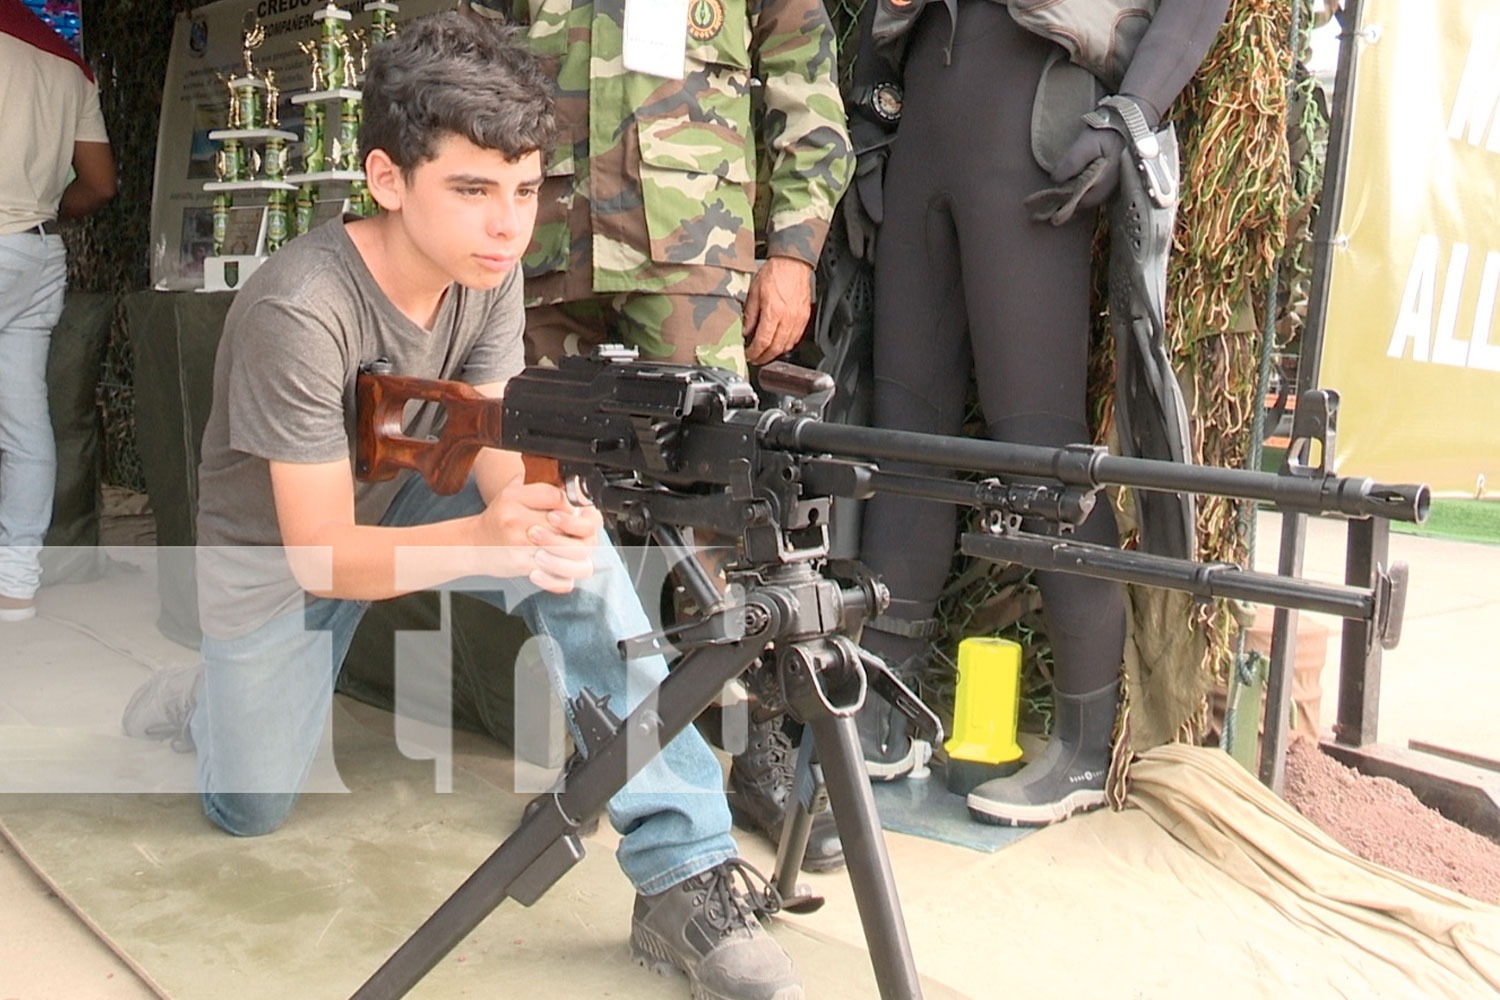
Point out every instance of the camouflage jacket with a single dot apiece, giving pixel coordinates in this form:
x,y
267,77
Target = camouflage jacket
x,y
652,187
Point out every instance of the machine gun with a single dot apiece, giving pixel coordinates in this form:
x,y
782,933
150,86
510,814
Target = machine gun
x,y
663,447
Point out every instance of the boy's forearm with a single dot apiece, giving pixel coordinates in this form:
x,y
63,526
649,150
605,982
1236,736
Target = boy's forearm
x,y
372,563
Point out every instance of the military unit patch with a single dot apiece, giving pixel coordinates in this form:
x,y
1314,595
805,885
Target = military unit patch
x,y
705,19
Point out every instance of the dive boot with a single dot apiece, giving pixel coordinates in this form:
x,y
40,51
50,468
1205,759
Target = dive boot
x,y
1067,777
901,639
884,733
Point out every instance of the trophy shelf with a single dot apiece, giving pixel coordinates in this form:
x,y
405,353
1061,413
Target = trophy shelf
x,y
259,185
326,96
221,134
319,176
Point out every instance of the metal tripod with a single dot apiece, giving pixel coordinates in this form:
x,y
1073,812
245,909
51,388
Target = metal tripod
x,y
802,617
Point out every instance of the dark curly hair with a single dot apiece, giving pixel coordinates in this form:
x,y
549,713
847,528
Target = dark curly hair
x,y
452,73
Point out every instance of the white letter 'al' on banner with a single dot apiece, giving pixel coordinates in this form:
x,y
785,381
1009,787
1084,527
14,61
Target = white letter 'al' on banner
x,y
1414,321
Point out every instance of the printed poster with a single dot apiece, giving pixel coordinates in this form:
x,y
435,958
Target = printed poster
x,y
1412,334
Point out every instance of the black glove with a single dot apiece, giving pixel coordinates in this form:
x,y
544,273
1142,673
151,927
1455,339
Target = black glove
x,y
1086,175
863,205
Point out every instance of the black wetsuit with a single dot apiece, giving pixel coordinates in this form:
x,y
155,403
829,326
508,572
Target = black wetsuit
x,y
966,282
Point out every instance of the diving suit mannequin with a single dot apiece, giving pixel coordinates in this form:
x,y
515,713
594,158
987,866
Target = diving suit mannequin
x,y
984,267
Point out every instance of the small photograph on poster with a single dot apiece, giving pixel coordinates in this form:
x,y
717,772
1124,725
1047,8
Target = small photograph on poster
x,y
197,239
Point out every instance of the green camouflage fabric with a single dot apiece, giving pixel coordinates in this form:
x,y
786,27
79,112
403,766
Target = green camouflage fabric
x,y
652,186
684,329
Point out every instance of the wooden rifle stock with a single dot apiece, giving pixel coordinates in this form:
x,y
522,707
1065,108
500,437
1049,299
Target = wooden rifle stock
x,y
382,448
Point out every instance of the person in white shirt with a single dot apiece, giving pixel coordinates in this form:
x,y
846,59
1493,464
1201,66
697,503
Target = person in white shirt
x,y
57,165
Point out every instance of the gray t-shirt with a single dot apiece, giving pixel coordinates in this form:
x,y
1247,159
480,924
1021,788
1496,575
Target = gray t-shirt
x,y
284,378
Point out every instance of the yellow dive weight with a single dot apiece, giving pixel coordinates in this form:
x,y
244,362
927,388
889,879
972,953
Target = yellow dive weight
x,y
987,707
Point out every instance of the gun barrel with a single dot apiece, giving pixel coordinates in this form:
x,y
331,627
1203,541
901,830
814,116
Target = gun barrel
x,y
1208,580
1085,465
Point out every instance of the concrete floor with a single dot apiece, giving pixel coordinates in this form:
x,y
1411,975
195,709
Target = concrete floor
x,y
1440,686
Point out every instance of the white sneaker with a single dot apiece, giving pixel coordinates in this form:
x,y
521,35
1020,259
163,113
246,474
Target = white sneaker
x,y
161,708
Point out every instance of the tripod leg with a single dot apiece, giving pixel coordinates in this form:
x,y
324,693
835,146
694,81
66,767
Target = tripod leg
x,y
864,851
544,846
809,796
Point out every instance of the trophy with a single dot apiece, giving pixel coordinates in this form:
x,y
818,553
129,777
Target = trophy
x,y
350,112
247,108
223,202
273,98
310,49
232,120
314,128
230,162
278,220
332,45
361,202
354,54
275,159
383,25
251,40
306,209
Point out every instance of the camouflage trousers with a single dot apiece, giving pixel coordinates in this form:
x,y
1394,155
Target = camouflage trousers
x,y
688,329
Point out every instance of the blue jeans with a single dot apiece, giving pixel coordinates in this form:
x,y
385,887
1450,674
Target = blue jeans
x,y
33,277
266,698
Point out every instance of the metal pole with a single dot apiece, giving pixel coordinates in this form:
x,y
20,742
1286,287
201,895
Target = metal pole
x,y
1331,200
1294,526
1359,689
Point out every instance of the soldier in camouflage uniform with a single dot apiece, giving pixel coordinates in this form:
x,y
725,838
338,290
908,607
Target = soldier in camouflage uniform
x,y
645,232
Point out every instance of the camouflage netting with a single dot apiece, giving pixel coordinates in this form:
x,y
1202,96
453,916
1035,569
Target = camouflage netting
x,y
1232,228
126,42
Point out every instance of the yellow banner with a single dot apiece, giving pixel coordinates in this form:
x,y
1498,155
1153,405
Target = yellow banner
x,y
1412,333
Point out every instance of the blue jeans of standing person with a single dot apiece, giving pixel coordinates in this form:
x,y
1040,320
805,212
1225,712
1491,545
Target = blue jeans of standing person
x,y
266,698
33,277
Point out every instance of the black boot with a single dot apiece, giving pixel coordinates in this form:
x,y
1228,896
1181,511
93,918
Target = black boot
x,y
884,737
760,792
1067,777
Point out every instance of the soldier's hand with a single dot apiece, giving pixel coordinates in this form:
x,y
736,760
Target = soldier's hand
x,y
777,308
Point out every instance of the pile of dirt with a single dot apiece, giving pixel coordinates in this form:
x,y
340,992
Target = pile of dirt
x,y
1381,821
